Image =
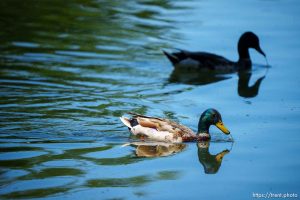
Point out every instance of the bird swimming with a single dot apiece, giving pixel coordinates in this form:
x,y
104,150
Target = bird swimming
x,y
165,130
209,61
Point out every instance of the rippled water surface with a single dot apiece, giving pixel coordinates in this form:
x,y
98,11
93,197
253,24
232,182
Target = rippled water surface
x,y
70,69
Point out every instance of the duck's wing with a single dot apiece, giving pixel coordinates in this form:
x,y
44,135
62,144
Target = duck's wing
x,y
161,124
208,60
155,127
184,58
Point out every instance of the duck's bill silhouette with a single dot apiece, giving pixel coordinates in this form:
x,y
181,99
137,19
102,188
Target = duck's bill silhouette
x,y
260,51
210,61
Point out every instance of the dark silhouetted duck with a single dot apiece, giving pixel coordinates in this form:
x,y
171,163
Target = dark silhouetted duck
x,y
164,130
209,61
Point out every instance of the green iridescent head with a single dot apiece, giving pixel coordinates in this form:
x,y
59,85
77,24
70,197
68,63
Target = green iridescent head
x,y
211,117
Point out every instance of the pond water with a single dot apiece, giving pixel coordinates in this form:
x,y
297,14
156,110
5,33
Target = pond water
x,y
70,69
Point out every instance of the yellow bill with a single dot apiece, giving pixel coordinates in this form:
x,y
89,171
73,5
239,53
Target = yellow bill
x,y
220,156
221,126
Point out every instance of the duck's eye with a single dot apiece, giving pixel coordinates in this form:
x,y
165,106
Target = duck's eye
x,y
215,117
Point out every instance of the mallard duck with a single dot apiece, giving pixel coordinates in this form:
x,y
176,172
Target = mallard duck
x,y
208,61
165,130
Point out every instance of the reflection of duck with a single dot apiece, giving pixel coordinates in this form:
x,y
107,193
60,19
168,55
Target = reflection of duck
x,y
244,90
209,61
208,77
158,149
165,130
196,78
211,163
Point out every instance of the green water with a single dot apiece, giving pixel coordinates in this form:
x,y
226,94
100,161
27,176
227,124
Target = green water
x,y
70,69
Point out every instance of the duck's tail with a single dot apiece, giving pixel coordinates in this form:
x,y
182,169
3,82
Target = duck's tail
x,y
129,122
174,60
126,122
